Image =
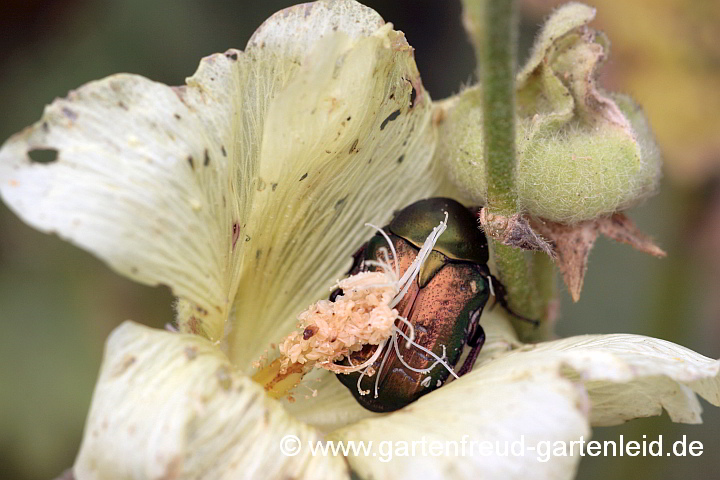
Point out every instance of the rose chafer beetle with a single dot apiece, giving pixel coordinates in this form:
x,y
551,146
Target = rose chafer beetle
x,y
443,304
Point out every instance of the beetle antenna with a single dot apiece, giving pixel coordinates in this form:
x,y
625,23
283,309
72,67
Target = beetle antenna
x,y
502,299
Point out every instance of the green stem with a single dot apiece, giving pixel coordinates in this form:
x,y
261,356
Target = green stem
x,y
497,55
493,29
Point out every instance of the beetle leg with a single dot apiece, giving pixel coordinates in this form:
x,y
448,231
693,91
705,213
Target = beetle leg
x,y
336,293
501,296
476,341
358,258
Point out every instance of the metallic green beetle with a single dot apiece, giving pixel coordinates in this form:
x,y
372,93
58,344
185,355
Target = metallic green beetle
x,y
444,304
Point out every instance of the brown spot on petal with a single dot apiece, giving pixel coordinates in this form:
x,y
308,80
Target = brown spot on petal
x,y
122,367
394,115
235,234
353,147
194,325
260,186
190,352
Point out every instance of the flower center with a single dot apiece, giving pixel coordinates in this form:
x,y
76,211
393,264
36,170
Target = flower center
x,y
363,315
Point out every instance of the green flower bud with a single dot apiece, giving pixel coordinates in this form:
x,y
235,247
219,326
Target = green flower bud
x,y
581,152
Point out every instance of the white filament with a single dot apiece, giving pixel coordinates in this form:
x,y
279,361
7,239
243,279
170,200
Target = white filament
x,y
402,286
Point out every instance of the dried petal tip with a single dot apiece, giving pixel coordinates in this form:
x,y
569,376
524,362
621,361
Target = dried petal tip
x,y
573,243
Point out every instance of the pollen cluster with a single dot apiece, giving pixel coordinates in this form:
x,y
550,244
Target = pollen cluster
x,y
331,330
364,314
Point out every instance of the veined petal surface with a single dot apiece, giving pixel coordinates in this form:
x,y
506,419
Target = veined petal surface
x,y
258,174
171,406
533,397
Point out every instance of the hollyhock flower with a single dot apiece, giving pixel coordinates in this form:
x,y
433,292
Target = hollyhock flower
x,y
245,191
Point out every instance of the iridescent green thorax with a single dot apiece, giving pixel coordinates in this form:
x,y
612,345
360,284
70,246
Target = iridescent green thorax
x,y
463,239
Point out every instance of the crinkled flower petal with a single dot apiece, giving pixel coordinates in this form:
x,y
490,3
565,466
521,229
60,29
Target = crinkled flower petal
x,y
347,141
256,177
245,191
172,406
631,376
547,392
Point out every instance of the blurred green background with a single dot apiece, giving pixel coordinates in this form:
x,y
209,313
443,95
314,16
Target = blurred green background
x,y
58,304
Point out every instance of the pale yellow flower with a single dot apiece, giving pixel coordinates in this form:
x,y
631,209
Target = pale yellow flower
x,y
246,192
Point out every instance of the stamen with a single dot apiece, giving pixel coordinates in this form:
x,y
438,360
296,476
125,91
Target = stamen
x,y
364,315
345,369
418,370
432,354
415,266
410,326
392,247
359,388
382,365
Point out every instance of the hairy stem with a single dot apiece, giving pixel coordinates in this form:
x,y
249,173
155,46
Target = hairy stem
x,y
497,58
493,29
